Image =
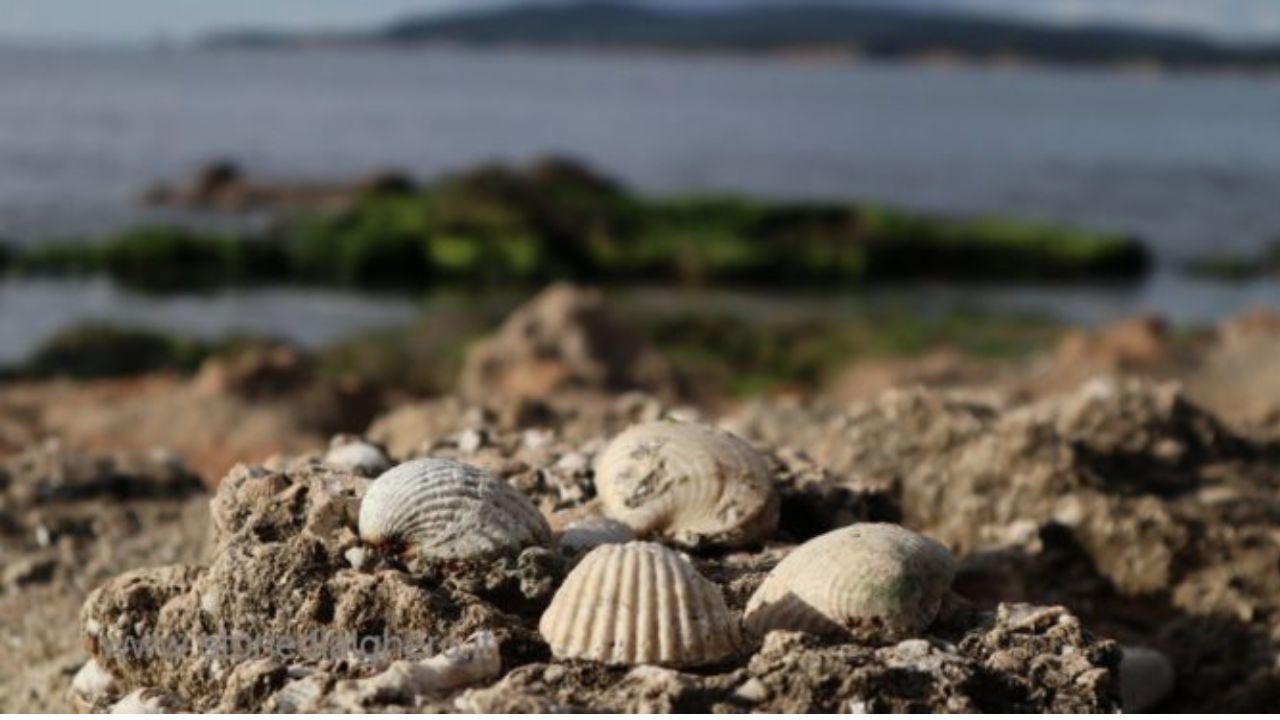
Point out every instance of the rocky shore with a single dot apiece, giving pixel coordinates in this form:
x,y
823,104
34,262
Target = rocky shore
x,y
558,220
1112,507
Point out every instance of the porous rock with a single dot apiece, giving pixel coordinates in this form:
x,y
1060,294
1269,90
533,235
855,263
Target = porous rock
x,y
278,574
563,338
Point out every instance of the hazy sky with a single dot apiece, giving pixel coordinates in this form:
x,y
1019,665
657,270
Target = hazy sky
x,y
142,20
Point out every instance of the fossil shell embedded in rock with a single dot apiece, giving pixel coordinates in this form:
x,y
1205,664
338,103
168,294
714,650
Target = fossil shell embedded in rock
x,y
875,581
436,509
639,604
688,483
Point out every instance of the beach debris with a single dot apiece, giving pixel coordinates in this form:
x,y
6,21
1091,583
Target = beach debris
x,y
406,682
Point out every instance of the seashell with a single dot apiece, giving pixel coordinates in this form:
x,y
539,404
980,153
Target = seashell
x,y
639,604
359,456
687,483
434,509
878,582
91,687
591,532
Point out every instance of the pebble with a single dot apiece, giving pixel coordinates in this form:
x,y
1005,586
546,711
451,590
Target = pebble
x,y
752,691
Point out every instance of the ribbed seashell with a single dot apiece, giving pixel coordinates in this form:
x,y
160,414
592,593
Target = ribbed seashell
x,y
592,532
876,582
639,604
689,484
358,456
435,509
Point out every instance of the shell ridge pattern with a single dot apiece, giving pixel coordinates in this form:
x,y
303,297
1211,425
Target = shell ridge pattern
x,y
448,510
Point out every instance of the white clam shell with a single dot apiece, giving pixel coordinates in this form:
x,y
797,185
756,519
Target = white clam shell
x,y
358,456
639,604
437,509
874,581
687,483
592,532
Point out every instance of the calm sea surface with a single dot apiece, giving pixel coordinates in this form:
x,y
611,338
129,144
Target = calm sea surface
x,y
1192,164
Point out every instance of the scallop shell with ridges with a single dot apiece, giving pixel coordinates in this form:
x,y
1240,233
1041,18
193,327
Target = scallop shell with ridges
x,y
689,484
876,582
434,509
639,604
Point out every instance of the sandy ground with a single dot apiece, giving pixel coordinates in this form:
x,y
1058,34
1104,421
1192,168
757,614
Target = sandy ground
x,y
1129,479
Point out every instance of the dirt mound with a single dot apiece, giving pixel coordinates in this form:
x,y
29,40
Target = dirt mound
x,y
241,407
564,338
1122,499
286,563
942,368
68,522
1238,375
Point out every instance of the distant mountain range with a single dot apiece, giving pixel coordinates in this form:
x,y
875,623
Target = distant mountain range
x,y
877,32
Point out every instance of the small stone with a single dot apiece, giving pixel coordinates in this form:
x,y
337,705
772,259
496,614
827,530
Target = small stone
x,y
471,440
752,691
573,462
1146,678
358,557
537,438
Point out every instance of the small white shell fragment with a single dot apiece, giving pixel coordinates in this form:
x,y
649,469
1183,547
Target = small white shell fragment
x,y
591,532
471,440
475,661
688,483
752,691
437,509
877,582
149,701
358,456
358,557
92,686
639,604
1146,678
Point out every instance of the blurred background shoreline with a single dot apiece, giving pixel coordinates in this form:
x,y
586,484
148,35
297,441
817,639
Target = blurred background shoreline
x,y
1084,137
